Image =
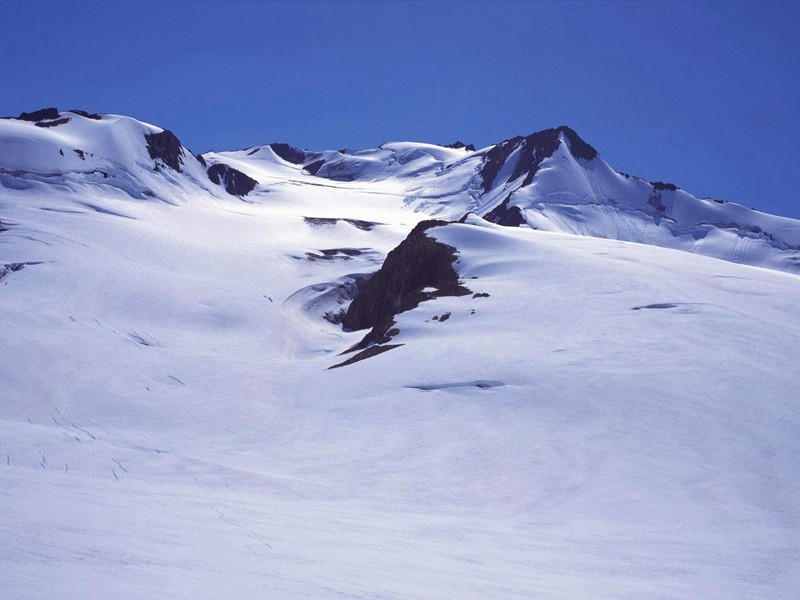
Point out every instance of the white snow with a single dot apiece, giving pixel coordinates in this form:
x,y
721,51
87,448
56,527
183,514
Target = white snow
x,y
614,421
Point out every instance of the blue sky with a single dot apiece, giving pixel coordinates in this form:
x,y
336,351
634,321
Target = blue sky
x,y
701,94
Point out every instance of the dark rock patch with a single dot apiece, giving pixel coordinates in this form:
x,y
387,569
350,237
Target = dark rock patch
x,y
368,353
661,186
201,159
55,123
166,147
444,317
418,262
533,149
656,306
480,295
508,216
315,166
40,115
289,153
458,145
86,115
253,151
335,171
234,181
81,154
319,221
577,146
362,225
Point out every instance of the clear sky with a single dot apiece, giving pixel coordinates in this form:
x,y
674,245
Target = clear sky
x,y
704,95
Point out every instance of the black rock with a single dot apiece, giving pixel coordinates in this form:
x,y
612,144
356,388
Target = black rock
x,y
333,170
509,216
40,115
234,181
87,115
660,185
364,354
314,166
166,147
533,149
289,153
417,263
459,144
577,146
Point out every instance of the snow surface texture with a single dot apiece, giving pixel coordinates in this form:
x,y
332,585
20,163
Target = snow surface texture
x,y
601,420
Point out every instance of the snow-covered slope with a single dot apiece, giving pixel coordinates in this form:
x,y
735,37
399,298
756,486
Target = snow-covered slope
x,y
593,418
550,180
76,150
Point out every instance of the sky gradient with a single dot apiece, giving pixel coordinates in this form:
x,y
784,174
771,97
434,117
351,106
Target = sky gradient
x,y
704,95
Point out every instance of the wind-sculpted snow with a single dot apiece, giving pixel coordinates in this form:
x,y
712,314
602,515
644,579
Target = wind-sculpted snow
x,y
597,419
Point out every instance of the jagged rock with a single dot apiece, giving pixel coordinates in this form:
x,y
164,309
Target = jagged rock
x,y
533,149
335,171
419,262
166,147
235,182
40,115
459,144
87,115
314,166
577,146
364,354
661,186
509,216
289,153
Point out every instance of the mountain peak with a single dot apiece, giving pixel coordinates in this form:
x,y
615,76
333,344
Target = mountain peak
x,y
529,151
578,147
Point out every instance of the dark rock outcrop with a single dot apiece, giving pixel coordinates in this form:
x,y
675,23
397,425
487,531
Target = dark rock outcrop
x,y
532,150
661,186
334,170
289,153
419,262
458,144
504,214
314,166
87,115
166,147
234,181
40,115
364,354
577,146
